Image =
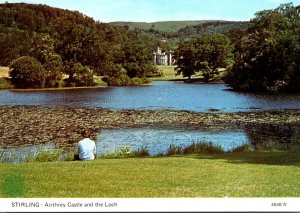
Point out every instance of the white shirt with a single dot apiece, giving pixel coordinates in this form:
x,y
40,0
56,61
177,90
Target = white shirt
x,y
86,149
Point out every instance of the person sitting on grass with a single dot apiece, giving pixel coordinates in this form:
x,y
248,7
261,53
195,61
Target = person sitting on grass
x,y
86,148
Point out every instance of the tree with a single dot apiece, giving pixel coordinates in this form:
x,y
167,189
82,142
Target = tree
x,y
79,75
137,55
43,50
27,72
213,51
55,36
185,59
267,57
14,43
54,68
205,54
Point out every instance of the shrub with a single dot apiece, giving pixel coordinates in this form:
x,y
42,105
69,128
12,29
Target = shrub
x,y
99,81
146,80
135,82
122,80
27,72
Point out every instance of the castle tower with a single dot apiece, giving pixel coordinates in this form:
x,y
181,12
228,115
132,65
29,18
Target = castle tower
x,y
170,58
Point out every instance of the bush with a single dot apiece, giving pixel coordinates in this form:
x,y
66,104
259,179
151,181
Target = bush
x,y
121,80
27,72
135,82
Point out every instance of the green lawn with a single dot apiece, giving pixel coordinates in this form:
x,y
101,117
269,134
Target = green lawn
x,y
168,74
4,72
254,174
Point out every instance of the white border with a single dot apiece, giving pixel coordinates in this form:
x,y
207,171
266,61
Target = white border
x,y
149,204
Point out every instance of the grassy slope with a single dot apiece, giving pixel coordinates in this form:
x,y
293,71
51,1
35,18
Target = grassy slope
x,y
260,174
169,74
165,26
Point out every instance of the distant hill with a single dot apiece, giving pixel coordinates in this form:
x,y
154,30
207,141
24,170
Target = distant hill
x,y
171,32
211,27
163,26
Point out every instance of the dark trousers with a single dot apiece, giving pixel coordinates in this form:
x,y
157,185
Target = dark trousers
x,y
76,157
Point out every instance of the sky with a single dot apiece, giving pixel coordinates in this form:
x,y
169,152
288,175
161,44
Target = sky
x,y
164,10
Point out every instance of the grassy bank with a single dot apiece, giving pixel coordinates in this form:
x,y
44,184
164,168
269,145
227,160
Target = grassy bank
x,y
253,174
4,81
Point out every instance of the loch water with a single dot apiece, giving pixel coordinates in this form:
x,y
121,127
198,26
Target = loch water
x,y
196,97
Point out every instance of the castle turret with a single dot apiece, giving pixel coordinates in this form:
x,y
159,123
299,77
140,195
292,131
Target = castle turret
x,y
162,58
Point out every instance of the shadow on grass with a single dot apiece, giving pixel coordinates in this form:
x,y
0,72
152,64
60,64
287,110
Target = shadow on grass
x,y
13,185
281,158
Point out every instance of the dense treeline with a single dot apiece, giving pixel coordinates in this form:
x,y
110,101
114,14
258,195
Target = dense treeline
x,y
42,45
172,39
68,42
221,27
267,55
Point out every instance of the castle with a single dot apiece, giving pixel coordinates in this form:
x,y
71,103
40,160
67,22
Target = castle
x,y
163,58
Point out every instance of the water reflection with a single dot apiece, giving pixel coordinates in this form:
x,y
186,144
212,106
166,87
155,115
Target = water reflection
x,y
280,136
158,141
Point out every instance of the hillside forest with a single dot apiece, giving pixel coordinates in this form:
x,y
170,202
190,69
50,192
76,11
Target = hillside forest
x,y
51,47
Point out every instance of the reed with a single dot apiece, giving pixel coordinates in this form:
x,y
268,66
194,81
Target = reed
x,y
200,148
174,150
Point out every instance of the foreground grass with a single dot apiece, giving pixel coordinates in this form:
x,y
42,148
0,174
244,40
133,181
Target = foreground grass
x,y
253,174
